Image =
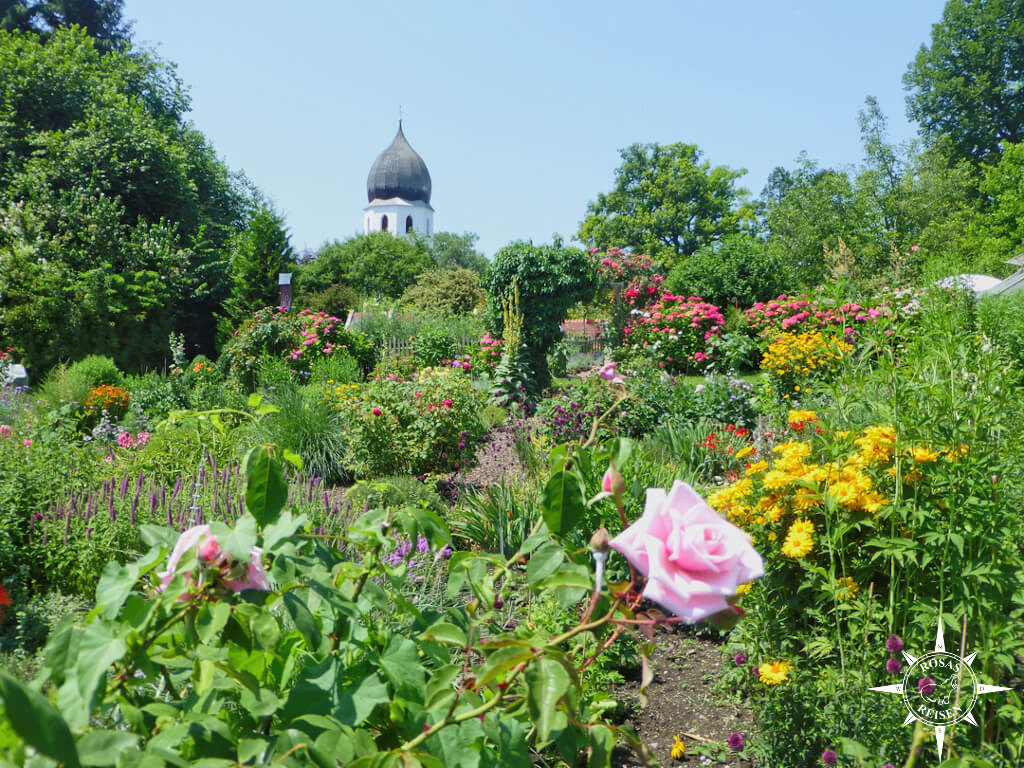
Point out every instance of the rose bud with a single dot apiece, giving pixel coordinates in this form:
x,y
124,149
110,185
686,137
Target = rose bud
x,y
599,541
613,482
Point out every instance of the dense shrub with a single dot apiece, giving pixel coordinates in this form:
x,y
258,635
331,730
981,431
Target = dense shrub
x,y
378,264
301,338
426,423
735,272
72,383
335,299
445,291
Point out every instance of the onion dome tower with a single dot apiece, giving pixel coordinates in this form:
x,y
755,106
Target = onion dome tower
x,y
398,191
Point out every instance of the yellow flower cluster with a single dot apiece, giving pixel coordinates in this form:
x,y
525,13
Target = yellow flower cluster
x,y
799,539
847,588
342,393
774,672
801,353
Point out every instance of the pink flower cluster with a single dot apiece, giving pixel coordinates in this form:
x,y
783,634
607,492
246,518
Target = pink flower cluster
x,y
460,362
677,329
126,440
798,314
635,269
318,328
236,576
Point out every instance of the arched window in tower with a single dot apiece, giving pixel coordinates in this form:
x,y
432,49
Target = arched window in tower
x,y
384,223
408,224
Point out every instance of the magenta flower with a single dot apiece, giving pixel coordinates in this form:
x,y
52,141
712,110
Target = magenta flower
x,y
735,741
829,757
739,659
893,666
893,644
926,686
377,411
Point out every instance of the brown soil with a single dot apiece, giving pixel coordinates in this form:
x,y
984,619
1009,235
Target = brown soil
x,y
682,699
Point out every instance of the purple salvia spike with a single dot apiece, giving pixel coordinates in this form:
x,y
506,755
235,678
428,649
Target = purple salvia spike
x,y
163,494
88,533
152,504
138,483
135,504
170,516
213,464
124,485
177,488
327,502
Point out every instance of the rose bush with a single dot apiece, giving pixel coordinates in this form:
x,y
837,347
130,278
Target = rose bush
x,y
675,332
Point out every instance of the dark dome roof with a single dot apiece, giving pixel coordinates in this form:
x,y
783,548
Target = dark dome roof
x,y
399,172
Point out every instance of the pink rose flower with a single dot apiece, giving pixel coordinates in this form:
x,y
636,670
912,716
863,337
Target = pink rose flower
x,y
204,544
692,558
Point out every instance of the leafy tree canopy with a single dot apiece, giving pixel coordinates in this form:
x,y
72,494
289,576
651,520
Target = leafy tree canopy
x,y
452,251
379,264
666,203
968,85
101,19
117,212
551,278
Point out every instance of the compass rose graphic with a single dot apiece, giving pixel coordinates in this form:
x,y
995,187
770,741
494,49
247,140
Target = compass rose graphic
x,y
940,688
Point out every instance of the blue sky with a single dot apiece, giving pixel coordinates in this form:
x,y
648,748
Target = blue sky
x,y
519,109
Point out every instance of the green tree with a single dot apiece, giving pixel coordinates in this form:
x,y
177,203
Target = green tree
x,y
737,271
966,86
997,232
551,278
666,203
379,264
259,254
100,19
452,251
117,212
807,208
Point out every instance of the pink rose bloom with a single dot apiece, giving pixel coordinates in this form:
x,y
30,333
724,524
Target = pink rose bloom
x,y
205,544
692,558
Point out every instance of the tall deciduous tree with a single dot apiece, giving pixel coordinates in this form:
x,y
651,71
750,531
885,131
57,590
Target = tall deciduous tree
x,y
968,85
667,203
379,264
101,19
452,251
117,213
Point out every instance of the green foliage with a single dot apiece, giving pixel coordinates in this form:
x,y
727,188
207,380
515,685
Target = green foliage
x,y
964,87
391,493
116,209
101,19
311,428
1001,320
258,255
496,519
446,291
452,251
338,368
283,335
335,299
737,271
424,423
666,203
999,229
71,384
379,264
550,279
